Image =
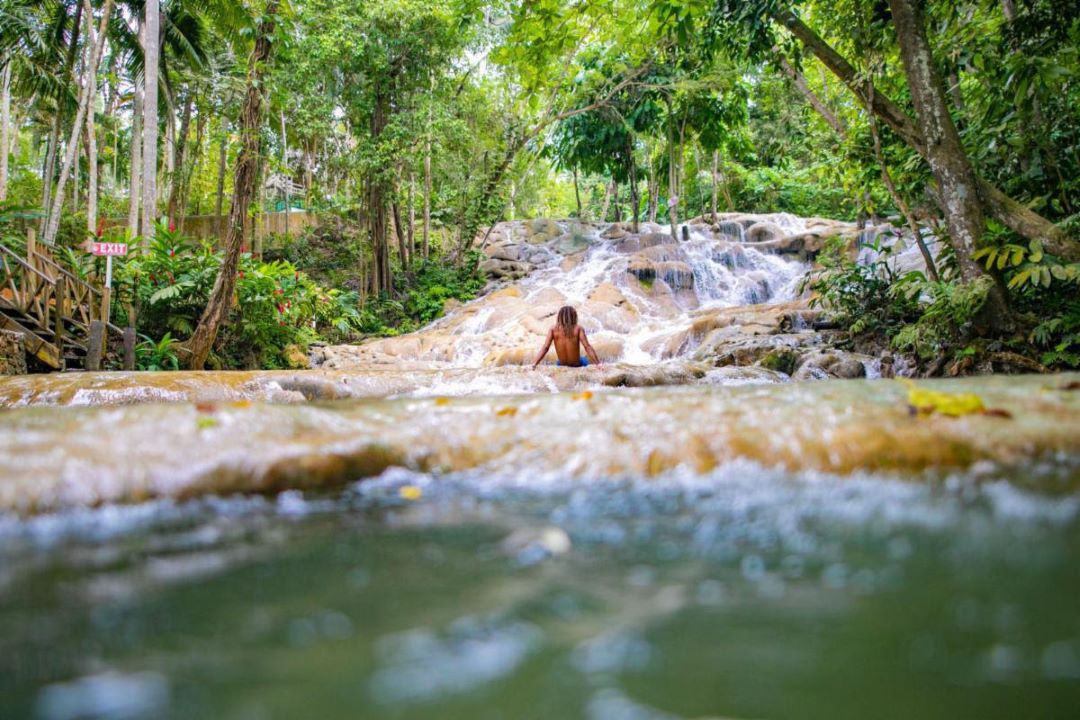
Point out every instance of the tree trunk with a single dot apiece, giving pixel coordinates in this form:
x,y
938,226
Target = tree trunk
x,y
634,200
177,175
715,166
151,45
382,279
607,200
1008,211
135,170
577,194
247,166
53,148
673,196
5,131
192,161
427,197
653,183
96,45
91,164
399,230
411,230
952,169
812,98
286,171
220,200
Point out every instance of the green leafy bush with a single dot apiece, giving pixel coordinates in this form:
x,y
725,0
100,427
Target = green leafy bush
x,y
275,305
863,297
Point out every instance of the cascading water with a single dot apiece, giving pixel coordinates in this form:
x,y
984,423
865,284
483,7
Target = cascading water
x,y
632,291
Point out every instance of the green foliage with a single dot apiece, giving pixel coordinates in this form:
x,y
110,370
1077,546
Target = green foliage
x,y
275,304
160,355
947,310
863,297
425,291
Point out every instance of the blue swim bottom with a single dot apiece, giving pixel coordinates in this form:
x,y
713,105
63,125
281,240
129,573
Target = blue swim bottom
x,y
584,363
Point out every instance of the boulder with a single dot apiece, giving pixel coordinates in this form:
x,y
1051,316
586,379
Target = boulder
x,y
763,232
831,364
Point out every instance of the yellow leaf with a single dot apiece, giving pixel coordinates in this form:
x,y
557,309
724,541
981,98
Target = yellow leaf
x,y
410,492
586,395
927,402
506,412
442,401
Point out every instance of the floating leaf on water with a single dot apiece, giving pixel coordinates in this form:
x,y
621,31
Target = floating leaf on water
x,y
440,401
410,492
997,412
584,395
202,423
506,411
205,407
240,404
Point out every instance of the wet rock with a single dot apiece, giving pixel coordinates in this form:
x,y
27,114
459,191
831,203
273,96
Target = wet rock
x,y
782,360
12,353
295,358
504,269
254,447
764,232
831,364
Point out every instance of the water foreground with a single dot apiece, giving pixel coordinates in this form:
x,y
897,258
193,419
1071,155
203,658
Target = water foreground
x,y
737,592
55,458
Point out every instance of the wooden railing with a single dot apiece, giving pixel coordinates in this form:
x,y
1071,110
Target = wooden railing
x,y
55,310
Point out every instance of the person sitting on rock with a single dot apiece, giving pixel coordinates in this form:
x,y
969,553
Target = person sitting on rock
x,y
569,338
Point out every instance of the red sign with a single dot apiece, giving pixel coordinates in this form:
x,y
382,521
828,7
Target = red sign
x,y
104,248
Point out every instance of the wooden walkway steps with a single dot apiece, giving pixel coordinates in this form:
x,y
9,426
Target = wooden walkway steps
x,y
53,309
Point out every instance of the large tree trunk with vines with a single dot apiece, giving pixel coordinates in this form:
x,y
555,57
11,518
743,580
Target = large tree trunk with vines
x,y
957,187
1018,217
247,168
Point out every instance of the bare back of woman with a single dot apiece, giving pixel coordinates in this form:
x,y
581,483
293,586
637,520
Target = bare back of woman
x,y
569,338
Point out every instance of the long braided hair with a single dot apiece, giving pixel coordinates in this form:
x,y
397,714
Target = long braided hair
x,y
567,319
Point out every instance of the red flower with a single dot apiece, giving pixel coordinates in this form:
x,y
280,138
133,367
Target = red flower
x,y
279,291
240,274
281,308
172,251
172,226
243,249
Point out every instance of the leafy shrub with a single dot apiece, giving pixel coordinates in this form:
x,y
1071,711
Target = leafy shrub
x,y
948,308
862,297
275,305
425,290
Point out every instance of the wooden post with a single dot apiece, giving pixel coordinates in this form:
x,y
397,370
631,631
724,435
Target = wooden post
x,y
95,346
31,244
58,321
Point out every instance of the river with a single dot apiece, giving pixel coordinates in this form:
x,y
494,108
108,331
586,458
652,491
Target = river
x,y
422,528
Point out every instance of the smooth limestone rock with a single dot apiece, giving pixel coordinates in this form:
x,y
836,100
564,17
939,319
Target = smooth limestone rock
x,y
52,459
